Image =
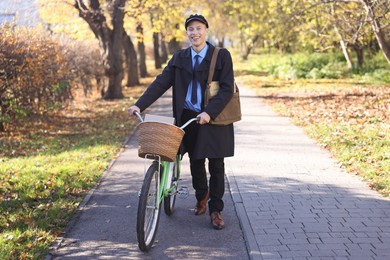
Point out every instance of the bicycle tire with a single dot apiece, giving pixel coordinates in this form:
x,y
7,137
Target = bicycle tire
x,y
169,201
148,213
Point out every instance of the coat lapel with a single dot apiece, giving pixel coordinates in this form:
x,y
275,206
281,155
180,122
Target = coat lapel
x,y
187,60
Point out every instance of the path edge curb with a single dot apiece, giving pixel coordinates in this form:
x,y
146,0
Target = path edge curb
x,y
249,236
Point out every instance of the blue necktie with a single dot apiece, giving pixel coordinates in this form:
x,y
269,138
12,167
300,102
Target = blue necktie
x,y
194,94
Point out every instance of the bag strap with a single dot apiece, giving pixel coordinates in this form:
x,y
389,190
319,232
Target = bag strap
x,y
212,69
212,66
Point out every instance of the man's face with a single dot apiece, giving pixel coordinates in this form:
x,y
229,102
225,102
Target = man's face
x,y
197,33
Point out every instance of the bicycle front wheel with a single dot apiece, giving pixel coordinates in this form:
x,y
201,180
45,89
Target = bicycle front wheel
x,y
148,208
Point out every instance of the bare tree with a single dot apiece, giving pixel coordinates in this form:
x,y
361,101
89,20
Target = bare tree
x,y
348,24
377,15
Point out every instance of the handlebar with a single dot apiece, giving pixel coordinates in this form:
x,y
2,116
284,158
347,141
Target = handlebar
x,y
181,127
189,122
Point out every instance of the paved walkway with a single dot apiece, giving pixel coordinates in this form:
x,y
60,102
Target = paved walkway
x,y
291,201
105,226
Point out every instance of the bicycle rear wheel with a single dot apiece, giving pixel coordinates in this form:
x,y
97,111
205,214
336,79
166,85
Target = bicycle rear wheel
x,y
169,201
148,214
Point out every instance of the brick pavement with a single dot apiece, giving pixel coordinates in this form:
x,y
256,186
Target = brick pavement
x,y
292,199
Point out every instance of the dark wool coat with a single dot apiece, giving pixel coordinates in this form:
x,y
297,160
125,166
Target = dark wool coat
x,y
212,141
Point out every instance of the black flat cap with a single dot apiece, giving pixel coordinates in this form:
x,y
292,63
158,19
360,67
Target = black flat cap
x,y
196,17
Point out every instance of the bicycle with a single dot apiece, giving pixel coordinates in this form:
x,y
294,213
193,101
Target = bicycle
x,y
161,181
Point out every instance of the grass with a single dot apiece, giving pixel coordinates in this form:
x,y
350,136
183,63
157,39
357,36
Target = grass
x,y
349,116
47,167
363,150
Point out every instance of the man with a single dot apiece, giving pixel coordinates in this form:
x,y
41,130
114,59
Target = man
x,y
187,74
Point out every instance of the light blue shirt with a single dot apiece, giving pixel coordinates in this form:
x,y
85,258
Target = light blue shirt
x,y
188,104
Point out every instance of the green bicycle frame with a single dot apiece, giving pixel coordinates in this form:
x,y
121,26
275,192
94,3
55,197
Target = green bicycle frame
x,y
167,168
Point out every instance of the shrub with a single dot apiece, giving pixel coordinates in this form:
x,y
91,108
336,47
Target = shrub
x,y
38,73
322,65
379,75
32,66
334,70
300,65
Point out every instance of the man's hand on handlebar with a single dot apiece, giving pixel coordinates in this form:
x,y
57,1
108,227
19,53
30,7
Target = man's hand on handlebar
x,y
132,110
203,118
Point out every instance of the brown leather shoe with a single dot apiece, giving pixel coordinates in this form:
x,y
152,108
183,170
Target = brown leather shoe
x,y
216,220
201,206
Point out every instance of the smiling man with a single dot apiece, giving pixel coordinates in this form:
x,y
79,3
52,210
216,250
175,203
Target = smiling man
x,y
187,73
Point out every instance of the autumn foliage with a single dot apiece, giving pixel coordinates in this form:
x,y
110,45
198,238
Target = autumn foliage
x,y
39,73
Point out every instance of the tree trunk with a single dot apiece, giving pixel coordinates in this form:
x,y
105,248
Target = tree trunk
x,y
131,61
164,51
221,42
245,55
344,47
115,73
173,46
3,112
141,51
156,51
376,27
110,41
358,48
250,47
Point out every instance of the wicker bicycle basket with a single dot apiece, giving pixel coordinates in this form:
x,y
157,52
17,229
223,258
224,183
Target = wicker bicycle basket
x,y
161,139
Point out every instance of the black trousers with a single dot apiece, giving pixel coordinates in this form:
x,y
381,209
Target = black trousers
x,y
216,184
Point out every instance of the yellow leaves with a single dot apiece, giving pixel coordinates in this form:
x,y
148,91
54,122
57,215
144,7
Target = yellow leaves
x,y
63,18
352,160
341,107
58,232
27,221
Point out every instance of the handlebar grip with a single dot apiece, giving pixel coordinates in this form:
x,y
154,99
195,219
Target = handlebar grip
x,y
138,115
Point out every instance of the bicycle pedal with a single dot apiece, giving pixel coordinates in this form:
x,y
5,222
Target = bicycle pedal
x,y
183,192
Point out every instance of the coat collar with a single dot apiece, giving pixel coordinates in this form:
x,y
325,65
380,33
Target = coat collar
x,y
186,55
